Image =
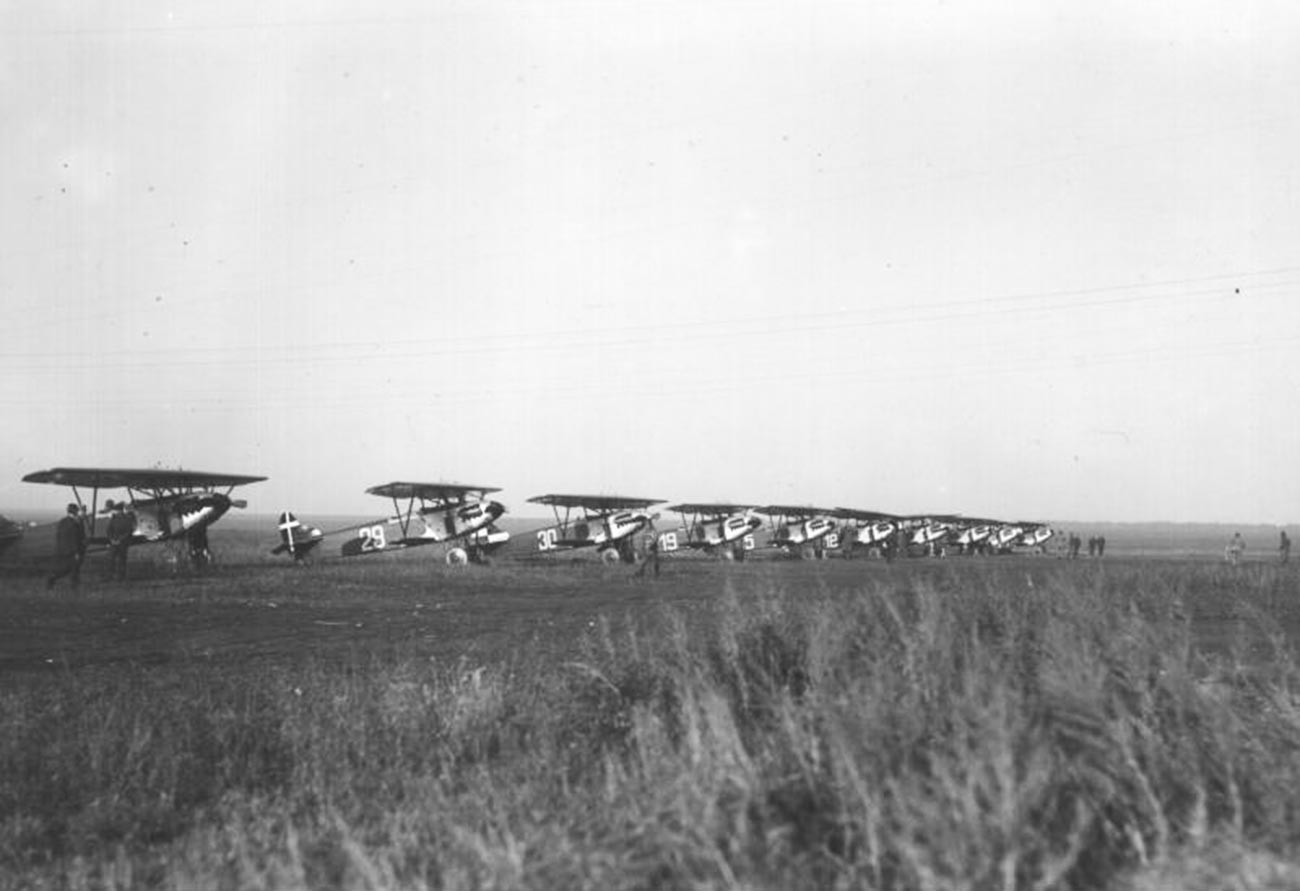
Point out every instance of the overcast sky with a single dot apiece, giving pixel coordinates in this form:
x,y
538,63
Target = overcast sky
x,y
1019,259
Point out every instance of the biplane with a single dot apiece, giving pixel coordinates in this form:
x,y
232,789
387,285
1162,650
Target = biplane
x,y
452,514
1009,536
799,530
972,534
717,528
1035,536
927,533
608,523
867,529
175,507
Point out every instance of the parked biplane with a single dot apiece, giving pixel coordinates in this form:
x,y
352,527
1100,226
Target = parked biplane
x,y
926,533
608,523
1009,536
715,528
423,514
799,530
972,535
1036,536
175,507
866,529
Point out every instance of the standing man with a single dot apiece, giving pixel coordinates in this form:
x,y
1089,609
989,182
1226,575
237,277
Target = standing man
x,y
1284,548
651,556
1101,546
1236,547
69,548
121,526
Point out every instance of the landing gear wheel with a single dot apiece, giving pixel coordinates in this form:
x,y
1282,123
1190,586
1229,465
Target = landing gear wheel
x,y
609,556
457,557
728,554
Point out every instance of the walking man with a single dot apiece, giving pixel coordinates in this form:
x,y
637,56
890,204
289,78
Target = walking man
x,y
121,526
69,548
1284,548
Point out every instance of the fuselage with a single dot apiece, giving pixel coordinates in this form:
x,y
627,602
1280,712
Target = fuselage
x,y
929,533
803,532
163,519
446,523
1006,536
1035,538
718,531
972,536
599,531
871,534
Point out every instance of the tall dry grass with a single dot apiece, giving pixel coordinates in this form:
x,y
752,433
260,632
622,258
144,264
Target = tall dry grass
x,y
951,730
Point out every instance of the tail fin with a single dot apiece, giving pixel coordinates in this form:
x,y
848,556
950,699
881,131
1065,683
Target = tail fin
x,y
296,538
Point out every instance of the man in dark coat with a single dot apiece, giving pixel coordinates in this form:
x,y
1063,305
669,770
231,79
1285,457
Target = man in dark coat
x,y
651,556
121,526
69,547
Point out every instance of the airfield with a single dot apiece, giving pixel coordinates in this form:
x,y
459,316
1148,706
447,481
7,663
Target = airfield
x,y
550,721
253,605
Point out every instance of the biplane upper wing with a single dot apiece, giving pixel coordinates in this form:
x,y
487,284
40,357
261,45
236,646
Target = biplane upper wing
x,y
935,518
596,502
869,516
429,491
793,511
971,522
716,509
111,478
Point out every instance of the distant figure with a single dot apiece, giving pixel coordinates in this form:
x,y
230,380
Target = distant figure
x,y
69,548
651,556
1236,547
1092,545
1101,545
1075,543
1284,548
121,526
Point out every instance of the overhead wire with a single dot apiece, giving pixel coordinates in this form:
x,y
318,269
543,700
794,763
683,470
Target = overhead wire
x,y
681,331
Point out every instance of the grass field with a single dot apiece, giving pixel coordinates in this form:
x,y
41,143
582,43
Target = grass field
x,y
395,723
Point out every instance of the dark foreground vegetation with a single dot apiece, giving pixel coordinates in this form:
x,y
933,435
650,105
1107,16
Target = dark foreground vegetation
x,y
982,728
